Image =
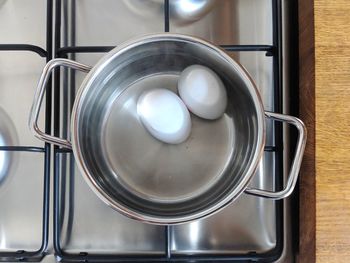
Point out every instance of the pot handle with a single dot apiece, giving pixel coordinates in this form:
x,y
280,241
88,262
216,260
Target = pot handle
x,y
295,167
38,98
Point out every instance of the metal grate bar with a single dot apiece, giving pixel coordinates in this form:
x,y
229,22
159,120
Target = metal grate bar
x,y
22,149
271,50
266,48
63,51
166,16
22,254
24,47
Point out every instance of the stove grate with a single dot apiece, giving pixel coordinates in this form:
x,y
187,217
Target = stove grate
x,y
55,50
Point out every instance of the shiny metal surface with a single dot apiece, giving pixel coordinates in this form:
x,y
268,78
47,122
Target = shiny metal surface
x,y
8,137
90,225
296,163
114,76
182,11
248,224
260,68
215,234
39,95
21,197
257,15
187,11
289,233
226,21
124,20
263,224
218,21
21,21
166,181
2,2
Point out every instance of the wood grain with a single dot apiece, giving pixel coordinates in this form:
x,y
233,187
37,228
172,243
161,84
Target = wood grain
x,y
332,43
307,188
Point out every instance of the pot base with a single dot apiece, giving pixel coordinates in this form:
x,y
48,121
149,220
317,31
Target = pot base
x,y
157,171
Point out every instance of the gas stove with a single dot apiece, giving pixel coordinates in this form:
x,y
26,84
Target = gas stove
x,y
48,213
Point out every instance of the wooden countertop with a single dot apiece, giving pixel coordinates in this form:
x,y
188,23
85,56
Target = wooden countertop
x,y
330,132
332,45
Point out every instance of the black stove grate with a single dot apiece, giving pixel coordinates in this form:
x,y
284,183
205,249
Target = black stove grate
x,y
55,50
270,50
22,254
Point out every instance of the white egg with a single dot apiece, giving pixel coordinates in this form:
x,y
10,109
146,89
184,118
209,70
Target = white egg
x,y
203,92
164,115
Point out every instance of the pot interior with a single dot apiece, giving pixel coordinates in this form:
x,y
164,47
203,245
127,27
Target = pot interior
x,y
144,175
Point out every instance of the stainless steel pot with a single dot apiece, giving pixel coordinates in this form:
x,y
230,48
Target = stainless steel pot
x,y
138,175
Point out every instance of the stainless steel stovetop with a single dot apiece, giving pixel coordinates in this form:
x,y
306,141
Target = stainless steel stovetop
x,y
79,226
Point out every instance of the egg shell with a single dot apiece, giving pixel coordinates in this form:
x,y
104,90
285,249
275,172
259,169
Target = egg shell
x,y
203,92
164,115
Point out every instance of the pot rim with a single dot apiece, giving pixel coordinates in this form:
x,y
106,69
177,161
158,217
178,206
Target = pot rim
x,y
161,220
